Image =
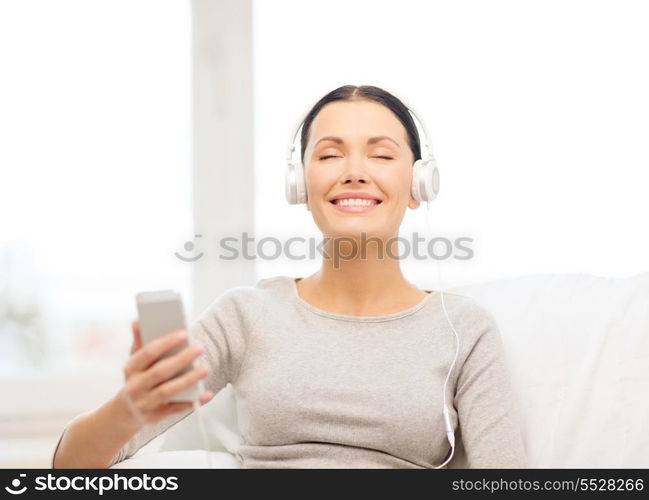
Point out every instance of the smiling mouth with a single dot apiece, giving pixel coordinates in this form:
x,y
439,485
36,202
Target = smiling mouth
x,y
355,205
355,202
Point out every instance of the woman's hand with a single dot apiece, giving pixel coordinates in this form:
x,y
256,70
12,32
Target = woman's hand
x,y
148,384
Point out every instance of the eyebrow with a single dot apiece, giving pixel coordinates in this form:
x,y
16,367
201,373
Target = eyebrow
x,y
371,140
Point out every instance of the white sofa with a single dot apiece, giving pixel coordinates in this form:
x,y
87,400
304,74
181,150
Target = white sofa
x,y
578,350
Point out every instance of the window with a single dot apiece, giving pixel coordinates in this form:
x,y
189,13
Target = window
x,y
96,177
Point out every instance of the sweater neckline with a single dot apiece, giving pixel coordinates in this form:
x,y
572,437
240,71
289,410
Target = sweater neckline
x,y
350,317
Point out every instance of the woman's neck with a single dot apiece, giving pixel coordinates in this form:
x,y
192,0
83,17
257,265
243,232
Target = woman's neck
x,y
360,287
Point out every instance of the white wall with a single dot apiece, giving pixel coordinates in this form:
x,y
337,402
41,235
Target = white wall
x,y
537,112
223,196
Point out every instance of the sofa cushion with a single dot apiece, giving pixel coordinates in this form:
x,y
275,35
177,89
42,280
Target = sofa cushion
x,y
578,350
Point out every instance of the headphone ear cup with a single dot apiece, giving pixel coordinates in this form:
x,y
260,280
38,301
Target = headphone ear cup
x,y
295,187
301,183
425,180
416,180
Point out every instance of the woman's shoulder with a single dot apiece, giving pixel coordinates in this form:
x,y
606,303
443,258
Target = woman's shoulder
x,y
464,304
467,314
249,299
275,286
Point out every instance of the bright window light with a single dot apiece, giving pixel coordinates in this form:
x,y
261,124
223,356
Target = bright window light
x,y
95,190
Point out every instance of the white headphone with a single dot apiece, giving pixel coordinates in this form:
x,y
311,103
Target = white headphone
x,y
425,176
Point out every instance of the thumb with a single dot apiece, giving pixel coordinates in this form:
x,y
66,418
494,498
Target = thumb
x,y
137,336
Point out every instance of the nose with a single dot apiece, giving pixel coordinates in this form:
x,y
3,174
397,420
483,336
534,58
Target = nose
x,y
355,172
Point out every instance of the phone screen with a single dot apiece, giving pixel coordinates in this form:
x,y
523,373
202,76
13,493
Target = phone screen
x,y
160,313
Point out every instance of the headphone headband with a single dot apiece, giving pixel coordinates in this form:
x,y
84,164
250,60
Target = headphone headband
x,y
426,149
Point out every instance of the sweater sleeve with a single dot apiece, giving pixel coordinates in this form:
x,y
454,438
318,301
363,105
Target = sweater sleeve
x,y
220,330
488,417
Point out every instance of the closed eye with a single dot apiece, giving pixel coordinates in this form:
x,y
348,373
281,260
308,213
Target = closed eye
x,y
332,156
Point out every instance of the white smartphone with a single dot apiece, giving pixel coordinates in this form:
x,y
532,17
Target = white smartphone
x,y
161,312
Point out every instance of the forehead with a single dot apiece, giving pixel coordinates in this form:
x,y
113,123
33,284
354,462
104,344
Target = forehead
x,y
356,119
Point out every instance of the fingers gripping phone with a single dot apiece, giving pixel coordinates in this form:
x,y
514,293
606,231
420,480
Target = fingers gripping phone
x,y
161,312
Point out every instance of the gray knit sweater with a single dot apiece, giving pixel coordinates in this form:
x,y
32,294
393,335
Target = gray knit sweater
x,y
323,390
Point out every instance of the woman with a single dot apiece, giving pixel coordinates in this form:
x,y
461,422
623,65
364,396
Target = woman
x,y
346,367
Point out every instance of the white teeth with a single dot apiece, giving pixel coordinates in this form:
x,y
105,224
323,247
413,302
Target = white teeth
x,y
355,202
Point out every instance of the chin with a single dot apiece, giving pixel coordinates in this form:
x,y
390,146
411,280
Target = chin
x,y
356,229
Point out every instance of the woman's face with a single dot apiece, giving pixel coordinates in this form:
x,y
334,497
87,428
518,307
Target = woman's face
x,y
358,147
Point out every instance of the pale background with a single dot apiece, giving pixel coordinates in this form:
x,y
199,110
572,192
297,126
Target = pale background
x,y
114,151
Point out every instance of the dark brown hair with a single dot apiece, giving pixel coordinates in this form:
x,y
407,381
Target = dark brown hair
x,y
367,93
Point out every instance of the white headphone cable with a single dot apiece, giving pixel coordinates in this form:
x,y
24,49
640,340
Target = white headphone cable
x,y
447,419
